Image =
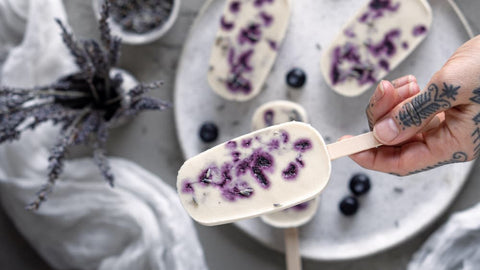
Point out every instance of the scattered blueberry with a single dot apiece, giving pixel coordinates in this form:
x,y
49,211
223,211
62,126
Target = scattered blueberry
x,y
208,132
359,184
296,78
349,205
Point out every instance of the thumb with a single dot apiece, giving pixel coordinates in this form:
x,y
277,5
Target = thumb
x,y
413,115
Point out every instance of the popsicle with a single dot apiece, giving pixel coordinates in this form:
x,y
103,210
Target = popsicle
x,y
374,42
273,113
246,46
261,172
277,112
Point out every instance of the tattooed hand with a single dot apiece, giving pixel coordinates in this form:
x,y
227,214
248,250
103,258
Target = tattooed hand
x,y
421,130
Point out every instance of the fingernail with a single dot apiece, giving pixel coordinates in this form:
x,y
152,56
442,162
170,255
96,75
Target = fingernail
x,y
411,78
380,91
405,92
394,83
386,130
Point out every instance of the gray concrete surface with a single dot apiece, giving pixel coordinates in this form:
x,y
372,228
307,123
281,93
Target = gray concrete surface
x,y
225,247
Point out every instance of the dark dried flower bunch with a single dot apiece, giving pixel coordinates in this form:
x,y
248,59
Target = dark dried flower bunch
x,y
84,104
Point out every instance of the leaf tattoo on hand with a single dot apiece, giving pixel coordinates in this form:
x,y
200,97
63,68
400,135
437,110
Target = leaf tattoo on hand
x,y
427,104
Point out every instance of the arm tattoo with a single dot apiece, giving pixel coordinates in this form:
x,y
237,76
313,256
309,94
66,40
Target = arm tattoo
x,y
456,157
476,136
427,104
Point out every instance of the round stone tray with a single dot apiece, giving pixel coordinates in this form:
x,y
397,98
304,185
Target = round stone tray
x,y
395,208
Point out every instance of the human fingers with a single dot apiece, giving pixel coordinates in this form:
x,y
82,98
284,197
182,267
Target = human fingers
x,y
451,135
439,125
403,80
455,84
386,97
412,115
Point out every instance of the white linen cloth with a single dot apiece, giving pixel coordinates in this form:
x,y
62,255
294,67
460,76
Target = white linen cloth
x,y
455,246
85,224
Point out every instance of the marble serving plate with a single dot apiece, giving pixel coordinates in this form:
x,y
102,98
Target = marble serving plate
x,y
396,208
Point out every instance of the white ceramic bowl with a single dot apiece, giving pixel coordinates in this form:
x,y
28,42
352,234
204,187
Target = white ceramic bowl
x,y
137,38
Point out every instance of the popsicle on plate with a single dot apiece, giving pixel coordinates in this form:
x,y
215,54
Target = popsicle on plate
x,y
374,42
273,113
277,112
262,172
246,46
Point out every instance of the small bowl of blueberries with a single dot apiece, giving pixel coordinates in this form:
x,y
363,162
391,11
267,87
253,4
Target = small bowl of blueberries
x,y
140,21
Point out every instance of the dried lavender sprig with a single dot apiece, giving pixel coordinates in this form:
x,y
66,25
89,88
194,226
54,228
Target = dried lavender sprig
x,y
39,91
137,91
27,107
63,94
25,110
55,168
109,42
5,90
99,59
143,88
9,124
115,50
96,56
87,127
75,50
10,102
9,136
13,124
81,59
56,160
51,112
99,154
105,34
101,160
145,103
41,197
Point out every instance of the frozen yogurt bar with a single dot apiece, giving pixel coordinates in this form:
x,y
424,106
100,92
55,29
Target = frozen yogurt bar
x,y
246,45
258,173
374,42
277,112
261,172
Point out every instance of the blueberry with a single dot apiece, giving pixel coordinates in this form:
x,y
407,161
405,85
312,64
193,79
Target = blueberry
x,y
349,205
296,78
359,184
208,132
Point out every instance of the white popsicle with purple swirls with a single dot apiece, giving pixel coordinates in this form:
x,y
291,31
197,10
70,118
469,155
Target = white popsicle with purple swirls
x,y
246,45
374,42
255,174
261,172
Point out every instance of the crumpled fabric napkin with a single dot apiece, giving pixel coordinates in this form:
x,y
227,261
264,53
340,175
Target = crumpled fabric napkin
x,y
12,27
455,246
85,224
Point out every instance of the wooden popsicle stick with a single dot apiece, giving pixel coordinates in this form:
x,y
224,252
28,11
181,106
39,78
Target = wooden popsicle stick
x,y
352,145
292,249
